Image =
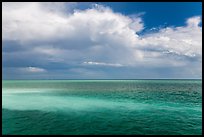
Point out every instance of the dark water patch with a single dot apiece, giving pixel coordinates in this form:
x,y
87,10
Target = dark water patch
x,y
101,121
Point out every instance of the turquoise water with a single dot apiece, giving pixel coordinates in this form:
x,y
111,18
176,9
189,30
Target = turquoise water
x,y
102,107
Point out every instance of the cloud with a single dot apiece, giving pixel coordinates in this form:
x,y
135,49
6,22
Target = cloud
x,y
103,64
194,22
181,41
31,21
97,30
33,69
56,36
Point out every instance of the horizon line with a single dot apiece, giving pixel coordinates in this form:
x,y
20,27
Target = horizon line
x,y
117,79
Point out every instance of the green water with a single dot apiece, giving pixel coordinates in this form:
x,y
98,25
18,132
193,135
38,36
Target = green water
x,y
102,107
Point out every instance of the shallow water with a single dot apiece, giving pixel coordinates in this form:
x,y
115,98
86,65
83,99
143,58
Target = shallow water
x,y
102,107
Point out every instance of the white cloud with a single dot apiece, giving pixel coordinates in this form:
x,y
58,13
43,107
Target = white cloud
x,y
186,40
37,21
98,28
193,22
103,64
33,69
57,34
31,21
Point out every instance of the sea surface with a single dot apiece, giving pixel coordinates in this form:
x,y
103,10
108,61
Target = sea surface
x,y
64,107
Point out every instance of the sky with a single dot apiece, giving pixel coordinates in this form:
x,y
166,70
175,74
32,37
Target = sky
x,y
103,40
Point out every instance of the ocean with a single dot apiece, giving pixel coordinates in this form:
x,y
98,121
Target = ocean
x,y
107,107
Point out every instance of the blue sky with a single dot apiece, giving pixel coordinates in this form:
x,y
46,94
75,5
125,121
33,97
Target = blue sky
x,y
160,13
110,40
